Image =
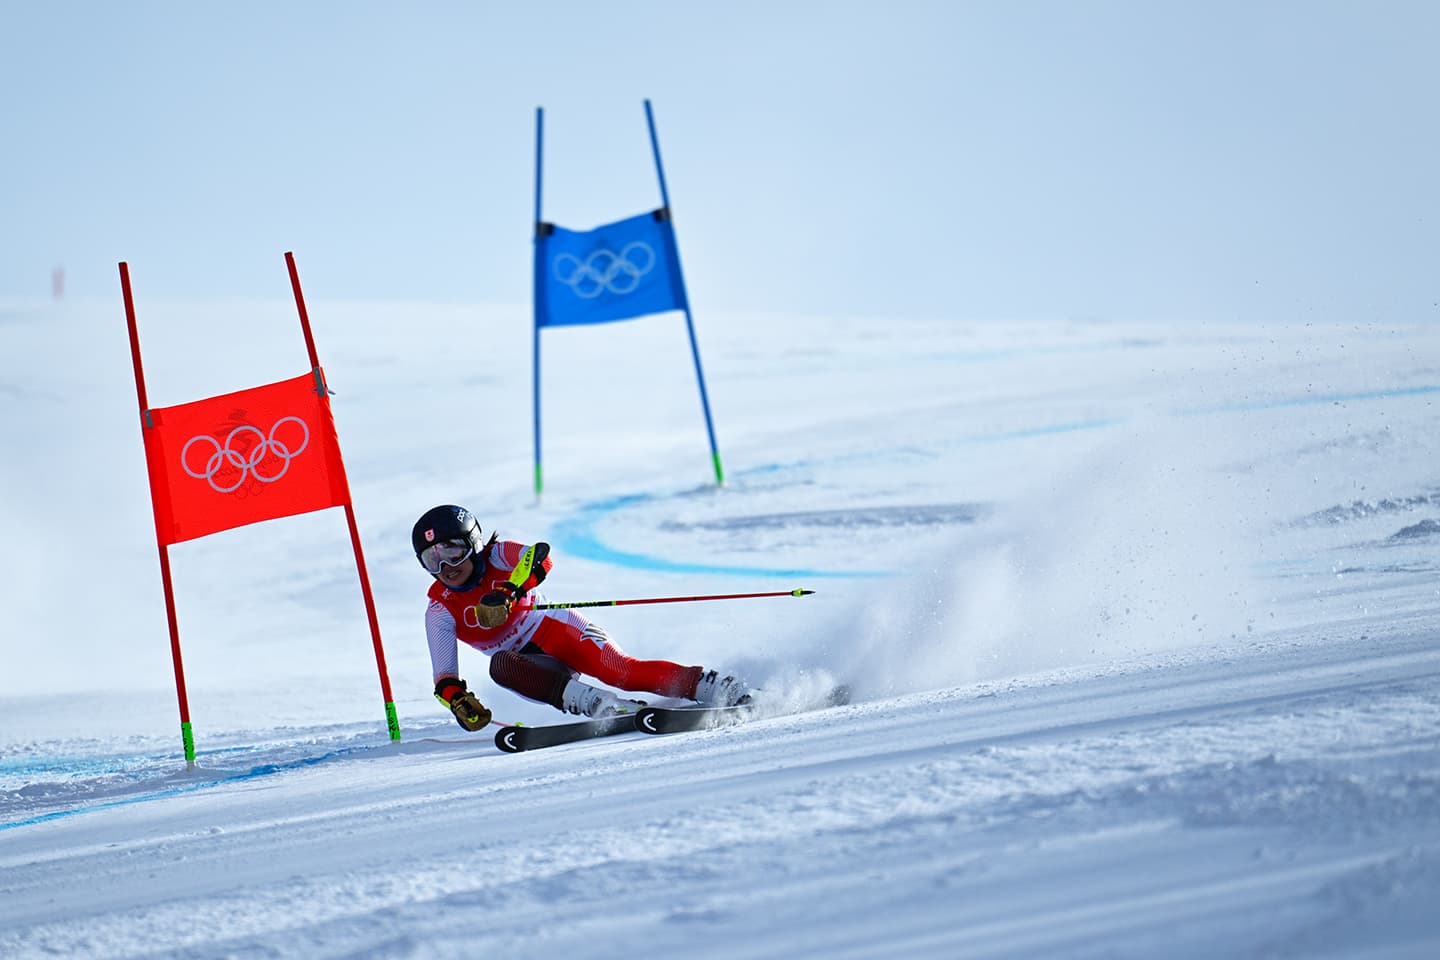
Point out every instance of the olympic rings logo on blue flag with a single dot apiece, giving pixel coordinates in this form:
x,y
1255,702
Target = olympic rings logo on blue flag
x,y
614,272
605,270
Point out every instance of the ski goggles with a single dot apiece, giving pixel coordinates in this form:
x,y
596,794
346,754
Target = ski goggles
x,y
445,553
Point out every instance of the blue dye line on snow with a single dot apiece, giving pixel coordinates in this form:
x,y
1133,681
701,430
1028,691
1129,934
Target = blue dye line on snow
x,y
576,537
69,765
1046,431
576,534
1315,399
263,770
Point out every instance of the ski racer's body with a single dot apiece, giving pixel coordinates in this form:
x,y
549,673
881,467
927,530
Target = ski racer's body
x,y
484,596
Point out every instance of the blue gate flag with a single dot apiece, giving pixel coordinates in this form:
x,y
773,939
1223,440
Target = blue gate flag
x,y
621,270
629,268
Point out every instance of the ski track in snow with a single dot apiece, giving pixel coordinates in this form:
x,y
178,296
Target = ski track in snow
x,y
882,825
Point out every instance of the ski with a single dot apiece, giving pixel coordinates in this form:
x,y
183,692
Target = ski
x,y
686,719
514,739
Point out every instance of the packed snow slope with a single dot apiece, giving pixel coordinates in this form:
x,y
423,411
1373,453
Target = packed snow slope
x,y
1142,624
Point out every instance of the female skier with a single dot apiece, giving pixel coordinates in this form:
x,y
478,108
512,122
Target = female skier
x,y
480,598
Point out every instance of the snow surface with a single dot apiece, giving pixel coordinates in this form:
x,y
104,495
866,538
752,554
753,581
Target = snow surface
x,y
1141,622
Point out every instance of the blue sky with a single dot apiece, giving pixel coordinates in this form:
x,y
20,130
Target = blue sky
x,y
968,160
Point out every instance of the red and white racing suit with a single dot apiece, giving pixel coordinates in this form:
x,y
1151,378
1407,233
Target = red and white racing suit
x,y
565,635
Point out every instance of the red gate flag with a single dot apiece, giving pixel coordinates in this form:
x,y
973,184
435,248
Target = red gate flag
x,y
243,457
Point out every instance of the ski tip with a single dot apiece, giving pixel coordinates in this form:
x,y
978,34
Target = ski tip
x,y
505,740
801,593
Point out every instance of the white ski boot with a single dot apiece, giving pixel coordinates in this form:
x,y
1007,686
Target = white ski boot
x,y
587,701
717,691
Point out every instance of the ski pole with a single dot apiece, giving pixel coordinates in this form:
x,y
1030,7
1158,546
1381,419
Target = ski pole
x,y
626,603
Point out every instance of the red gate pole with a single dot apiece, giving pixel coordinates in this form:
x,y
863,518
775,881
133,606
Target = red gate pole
x,y
187,736
392,722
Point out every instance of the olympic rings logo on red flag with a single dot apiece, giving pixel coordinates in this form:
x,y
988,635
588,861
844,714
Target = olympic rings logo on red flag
x,y
247,457
241,458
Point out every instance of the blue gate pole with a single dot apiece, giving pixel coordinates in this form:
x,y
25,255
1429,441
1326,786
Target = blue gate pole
x,y
539,291
684,297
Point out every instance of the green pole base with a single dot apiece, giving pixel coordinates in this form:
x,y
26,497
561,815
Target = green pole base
x,y
392,722
187,736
